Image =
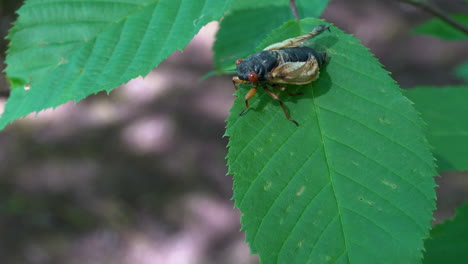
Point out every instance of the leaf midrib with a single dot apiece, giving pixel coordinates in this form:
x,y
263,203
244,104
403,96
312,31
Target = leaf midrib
x,y
327,162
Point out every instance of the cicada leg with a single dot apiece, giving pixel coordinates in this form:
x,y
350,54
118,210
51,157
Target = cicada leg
x,y
275,96
236,80
250,93
248,96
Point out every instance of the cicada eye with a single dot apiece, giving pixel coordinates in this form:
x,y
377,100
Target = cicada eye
x,y
253,77
238,61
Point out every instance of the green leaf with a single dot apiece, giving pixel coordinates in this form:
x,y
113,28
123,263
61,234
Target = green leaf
x,y
67,50
444,110
449,240
352,184
462,71
311,8
248,4
305,8
438,28
249,22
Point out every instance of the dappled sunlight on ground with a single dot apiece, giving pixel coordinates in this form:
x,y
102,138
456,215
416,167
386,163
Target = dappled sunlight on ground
x,y
149,135
139,176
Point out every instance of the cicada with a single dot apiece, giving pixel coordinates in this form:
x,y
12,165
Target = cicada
x,y
285,62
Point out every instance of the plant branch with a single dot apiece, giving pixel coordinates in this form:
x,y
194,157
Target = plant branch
x,y
292,4
435,11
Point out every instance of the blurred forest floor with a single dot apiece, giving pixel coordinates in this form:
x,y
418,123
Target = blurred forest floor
x,y
139,176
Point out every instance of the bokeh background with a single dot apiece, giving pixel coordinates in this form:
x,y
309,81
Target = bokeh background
x,y
139,176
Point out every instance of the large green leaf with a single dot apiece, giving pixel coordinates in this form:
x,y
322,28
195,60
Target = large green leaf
x,y
438,28
444,109
352,184
66,50
449,240
249,22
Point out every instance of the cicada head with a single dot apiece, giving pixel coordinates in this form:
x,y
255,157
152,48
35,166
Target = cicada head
x,y
256,67
247,70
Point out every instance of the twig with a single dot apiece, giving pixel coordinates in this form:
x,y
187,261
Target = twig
x,y
435,11
292,4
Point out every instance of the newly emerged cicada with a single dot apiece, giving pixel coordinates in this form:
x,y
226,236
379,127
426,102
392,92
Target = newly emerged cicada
x,y
286,62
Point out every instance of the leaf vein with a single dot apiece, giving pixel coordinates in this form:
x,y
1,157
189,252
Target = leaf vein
x,y
320,236
283,189
375,224
381,80
380,165
383,198
300,218
327,162
379,133
277,152
264,127
377,104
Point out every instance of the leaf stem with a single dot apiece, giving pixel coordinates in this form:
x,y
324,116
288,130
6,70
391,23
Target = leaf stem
x,y
292,4
435,11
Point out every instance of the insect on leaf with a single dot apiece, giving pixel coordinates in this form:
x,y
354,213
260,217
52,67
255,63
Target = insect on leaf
x,y
66,50
352,184
444,110
238,37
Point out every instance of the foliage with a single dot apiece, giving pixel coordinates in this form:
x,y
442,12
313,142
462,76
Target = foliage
x,y
356,173
449,240
306,8
438,28
444,109
330,188
462,71
77,48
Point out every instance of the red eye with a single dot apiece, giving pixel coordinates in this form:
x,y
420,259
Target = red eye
x,y
253,77
238,61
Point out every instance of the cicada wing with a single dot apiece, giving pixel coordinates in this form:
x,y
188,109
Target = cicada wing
x,y
288,43
301,72
298,41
